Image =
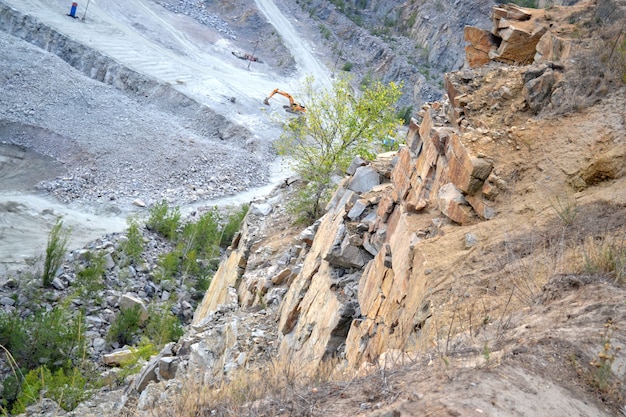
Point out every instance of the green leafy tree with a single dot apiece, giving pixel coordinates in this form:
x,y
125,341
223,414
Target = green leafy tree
x,y
339,124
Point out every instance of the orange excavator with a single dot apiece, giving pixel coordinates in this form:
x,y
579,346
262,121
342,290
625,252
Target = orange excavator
x,y
293,107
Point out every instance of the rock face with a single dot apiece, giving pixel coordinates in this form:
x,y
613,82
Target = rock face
x,y
433,29
360,289
521,36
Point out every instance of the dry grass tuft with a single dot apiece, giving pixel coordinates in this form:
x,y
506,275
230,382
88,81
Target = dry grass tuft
x,y
606,255
599,64
278,388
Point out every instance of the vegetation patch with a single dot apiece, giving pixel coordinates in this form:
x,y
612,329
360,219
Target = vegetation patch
x,y
339,124
55,251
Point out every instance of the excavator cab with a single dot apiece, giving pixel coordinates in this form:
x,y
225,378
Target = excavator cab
x,y
293,107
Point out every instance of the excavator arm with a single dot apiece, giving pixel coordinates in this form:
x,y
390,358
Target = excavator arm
x,y
293,107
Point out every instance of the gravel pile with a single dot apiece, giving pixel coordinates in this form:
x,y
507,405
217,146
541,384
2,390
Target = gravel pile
x,y
115,146
198,10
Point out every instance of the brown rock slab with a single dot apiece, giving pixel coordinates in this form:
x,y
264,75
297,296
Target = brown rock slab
x,y
401,175
281,277
453,205
477,52
468,173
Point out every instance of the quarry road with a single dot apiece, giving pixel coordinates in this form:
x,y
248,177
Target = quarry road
x,y
176,49
133,151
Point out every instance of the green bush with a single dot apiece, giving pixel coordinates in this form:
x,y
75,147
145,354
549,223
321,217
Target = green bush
x,y
203,236
233,224
11,388
326,33
405,113
132,365
55,250
201,285
190,265
162,326
390,21
411,21
90,280
163,220
46,338
197,243
67,389
13,335
347,66
168,265
133,247
125,326
52,339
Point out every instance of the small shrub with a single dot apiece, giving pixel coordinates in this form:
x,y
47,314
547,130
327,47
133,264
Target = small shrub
x,y
566,210
168,266
132,365
11,387
201,285
125,326
326,33
163,220
203,236
190,265
367,80
309,202
13,335
347,66
162,327
133,247
55,250
390,21
90,280
607,256
602,377
233,224
47,338
411,20
67,389
341,4
51,339
405,113
357,19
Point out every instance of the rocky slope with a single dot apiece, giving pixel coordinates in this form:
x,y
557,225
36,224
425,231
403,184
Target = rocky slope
x,y
473,246
458,276
412,42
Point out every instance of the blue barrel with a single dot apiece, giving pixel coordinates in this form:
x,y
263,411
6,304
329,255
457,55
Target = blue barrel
x,y
73,10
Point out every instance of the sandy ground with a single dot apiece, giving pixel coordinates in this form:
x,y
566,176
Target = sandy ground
x,y
97,149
